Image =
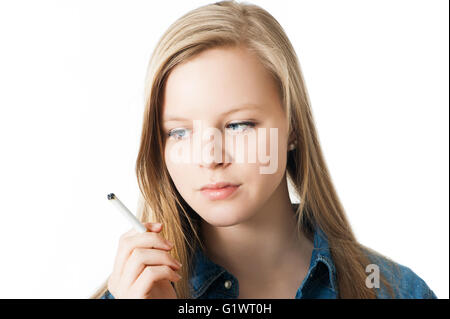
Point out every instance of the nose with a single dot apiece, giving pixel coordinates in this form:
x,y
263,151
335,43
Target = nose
x,y
213,153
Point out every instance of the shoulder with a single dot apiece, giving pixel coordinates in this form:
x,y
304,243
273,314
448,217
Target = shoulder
x,y
406,284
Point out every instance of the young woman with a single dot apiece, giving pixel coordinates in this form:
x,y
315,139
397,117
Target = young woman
x,y
230,68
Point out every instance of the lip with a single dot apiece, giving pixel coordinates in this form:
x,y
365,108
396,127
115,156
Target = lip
x,y
217,193
218,185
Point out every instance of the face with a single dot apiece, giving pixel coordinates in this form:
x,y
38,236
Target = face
x,y
226,91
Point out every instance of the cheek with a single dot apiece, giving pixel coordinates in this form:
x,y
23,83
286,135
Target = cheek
x,y
274,149
270,173
264,176
179,172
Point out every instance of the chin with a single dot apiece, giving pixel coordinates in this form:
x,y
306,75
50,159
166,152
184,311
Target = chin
x,y
221,222
223,216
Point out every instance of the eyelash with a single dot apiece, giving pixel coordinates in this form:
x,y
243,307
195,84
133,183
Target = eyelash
x,y
246,123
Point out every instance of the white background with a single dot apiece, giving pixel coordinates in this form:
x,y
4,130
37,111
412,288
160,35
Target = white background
x,y
71,102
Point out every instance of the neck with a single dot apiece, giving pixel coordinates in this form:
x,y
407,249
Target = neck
x,y
261,244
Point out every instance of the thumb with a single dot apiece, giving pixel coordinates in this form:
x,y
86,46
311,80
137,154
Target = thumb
x,y
153,227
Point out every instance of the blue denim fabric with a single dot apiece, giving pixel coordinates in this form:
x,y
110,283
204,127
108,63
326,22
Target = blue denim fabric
x,y
211,281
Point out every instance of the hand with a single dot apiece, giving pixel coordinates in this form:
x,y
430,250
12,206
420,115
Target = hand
x,y
143,267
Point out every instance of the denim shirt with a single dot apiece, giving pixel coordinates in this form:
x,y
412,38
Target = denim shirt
x,y
212,281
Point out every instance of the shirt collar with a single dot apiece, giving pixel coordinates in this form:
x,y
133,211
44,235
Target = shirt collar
x,y
205,271
321,254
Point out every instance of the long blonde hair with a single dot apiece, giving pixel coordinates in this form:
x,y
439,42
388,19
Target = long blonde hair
x,y
229,23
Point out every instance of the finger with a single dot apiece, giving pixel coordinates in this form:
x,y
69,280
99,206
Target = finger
x,y
122,255
155,227
139,240
130,232
119,258
140,258
152,274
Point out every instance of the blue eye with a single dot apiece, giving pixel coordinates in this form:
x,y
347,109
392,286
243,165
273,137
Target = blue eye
x,y
180,134
177,136
242,124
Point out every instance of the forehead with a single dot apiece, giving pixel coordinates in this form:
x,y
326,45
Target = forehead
x,y
218,80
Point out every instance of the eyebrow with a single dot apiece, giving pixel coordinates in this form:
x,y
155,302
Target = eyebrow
x,y
239,108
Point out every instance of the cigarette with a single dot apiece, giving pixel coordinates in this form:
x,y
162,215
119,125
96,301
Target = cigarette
x,y
126,212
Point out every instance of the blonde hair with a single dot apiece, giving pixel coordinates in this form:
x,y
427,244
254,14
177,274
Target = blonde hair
x,y
228,24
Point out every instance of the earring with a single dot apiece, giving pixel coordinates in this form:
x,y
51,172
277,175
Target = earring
x,y
291,146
